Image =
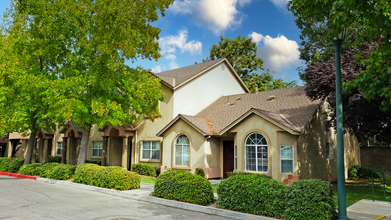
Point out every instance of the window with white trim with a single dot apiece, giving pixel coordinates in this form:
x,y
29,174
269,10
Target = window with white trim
x,y
286,158
236,157
256,153
329,151
150,150
97,147
182,151
59,148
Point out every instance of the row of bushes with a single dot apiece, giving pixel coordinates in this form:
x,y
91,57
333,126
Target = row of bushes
x,y
112,177
52,170
262,195
11,165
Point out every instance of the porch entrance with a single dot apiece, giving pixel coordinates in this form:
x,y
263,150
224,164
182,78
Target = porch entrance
x,y
228,158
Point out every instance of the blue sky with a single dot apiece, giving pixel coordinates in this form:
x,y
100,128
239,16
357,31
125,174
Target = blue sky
x,y
191,27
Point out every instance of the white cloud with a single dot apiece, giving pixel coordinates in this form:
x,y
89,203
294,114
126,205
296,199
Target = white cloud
x,y
215,15
278,53
170,43
157,69
170,57
173,65
255,37
280,3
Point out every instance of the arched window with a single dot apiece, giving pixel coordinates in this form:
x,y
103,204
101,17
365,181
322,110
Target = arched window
x,y
256,153
182,151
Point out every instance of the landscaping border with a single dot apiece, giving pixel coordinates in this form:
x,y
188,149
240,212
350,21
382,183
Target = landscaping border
x,y
18,175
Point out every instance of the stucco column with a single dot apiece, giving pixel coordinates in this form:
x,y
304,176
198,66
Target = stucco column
x,y
125,143
78,144
45,157
64,150
40,149
104,151
10,148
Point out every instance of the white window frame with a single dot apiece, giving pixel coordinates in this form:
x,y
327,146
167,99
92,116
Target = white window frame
x,y
57,148
329,151
235,157
99,149
151,150
256,153
175,145
293,158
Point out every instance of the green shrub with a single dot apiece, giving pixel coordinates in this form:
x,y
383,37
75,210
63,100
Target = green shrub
x,y
143,169
157,171
252,193
200,172
86,174
183,186
63,172
4,163
56,159
309,199
47,169
97,162
114,177
356,172
246,173
33,169
15,164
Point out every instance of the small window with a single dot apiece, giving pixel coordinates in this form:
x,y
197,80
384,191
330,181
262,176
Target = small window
x,y
329,151
182,151
236,157
97,147
286,157
59,148
151,150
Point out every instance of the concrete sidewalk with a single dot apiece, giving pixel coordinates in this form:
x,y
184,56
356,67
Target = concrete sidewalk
x,y
367,209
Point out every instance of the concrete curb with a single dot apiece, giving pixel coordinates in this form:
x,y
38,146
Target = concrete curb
x,y
18,175
145,198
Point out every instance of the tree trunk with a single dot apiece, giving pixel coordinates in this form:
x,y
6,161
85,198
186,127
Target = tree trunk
x,y
30,146
83,146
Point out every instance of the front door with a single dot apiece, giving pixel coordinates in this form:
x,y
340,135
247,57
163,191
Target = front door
x,y
228,157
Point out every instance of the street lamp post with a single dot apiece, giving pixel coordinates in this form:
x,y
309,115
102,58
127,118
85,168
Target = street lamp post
x,y
342,214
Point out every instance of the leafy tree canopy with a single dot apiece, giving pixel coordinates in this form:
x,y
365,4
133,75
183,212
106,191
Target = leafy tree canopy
x,y
374,20
83,46
241,54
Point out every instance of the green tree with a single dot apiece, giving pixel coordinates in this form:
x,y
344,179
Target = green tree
x,y
240,52
266,81
87,45
374,20
23,82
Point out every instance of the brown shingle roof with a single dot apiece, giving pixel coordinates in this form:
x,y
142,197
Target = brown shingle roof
x,y
178,76
290,109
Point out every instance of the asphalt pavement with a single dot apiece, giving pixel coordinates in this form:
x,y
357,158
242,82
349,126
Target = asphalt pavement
x,y
29,199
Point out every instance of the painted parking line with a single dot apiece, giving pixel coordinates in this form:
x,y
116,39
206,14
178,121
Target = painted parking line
x,y
378,216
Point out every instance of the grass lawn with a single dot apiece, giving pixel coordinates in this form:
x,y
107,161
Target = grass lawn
x,y
147,179
214,187
356,191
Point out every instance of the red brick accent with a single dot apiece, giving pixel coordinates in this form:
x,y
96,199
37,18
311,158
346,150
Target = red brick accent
x,y
291,178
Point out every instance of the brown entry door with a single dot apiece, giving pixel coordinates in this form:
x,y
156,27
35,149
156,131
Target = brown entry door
x,y
228,157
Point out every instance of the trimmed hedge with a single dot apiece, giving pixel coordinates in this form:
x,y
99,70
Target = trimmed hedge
x,y
15,164
4,163
356,172
62,172
85,174
117,178
47,169
251,193
261,195
107,177
200,172
33,169
144,169
309,199
184,186
97,162
246,173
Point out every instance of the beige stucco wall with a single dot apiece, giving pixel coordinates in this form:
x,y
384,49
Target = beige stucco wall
x,y
275,137
198,144
312,161
196,95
